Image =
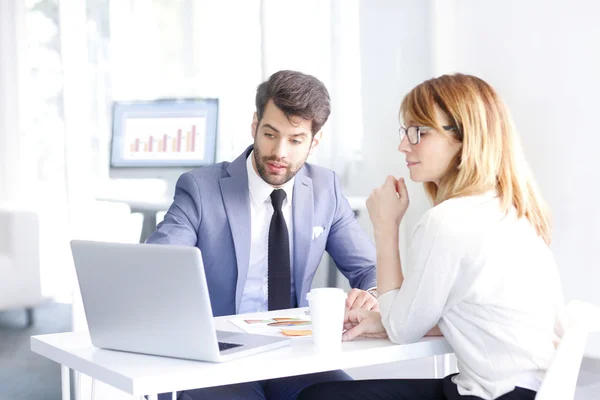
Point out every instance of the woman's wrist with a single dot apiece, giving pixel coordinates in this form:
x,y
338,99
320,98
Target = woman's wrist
x,y
387,237
387,226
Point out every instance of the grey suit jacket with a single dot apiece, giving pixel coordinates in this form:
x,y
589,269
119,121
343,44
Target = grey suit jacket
x,y
211,210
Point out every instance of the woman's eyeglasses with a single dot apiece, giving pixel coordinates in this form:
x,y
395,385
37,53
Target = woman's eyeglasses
x,y
414,132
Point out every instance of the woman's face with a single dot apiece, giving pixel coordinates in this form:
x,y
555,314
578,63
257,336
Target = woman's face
x,y
429,160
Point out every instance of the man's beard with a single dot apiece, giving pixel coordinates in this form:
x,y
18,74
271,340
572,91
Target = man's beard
x,y
275,180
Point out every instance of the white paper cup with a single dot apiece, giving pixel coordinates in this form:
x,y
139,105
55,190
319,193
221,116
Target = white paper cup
x,y
327,307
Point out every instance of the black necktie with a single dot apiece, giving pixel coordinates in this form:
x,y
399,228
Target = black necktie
x,y
279,276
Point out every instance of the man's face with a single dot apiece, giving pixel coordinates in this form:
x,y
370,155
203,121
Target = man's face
x,y
281,145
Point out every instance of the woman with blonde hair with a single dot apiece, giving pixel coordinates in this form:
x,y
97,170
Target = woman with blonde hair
x,y
478,268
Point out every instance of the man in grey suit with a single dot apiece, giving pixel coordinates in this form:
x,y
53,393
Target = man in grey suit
x,y
263,222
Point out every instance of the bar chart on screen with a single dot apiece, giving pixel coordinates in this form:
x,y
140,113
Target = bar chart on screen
x,y
165,138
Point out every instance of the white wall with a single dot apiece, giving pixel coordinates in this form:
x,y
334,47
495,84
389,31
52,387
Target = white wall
x,y
544,59
396,54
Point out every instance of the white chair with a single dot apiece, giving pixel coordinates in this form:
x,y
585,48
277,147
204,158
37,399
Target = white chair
x,y
109,221
20,283
561,378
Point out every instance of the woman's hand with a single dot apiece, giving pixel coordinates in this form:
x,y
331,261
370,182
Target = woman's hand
x,y
363,323
388,203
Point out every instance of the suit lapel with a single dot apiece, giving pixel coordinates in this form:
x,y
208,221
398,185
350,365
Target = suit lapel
x,y
236,199
303,210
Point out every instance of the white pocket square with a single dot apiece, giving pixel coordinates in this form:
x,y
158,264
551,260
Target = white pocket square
x,y
317,230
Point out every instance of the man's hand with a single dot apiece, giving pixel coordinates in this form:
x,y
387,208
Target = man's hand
x,y
361,300
363,323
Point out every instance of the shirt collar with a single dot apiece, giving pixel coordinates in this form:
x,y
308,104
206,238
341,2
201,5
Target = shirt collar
x,y
260,190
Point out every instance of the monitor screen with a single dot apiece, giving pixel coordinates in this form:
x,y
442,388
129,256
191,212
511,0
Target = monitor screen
x,y
169,133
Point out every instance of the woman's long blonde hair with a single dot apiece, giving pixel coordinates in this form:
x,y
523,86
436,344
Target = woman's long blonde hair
x,y
491,157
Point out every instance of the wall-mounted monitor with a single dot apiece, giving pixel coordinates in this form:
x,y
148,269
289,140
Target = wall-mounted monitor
x,y
162,138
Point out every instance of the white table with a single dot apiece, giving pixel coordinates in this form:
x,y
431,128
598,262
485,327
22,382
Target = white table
x,y
142,375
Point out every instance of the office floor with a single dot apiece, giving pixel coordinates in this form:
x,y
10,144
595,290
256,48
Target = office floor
x,y
27,376
23,374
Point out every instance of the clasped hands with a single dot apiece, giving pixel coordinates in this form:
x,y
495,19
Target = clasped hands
x,y
362,316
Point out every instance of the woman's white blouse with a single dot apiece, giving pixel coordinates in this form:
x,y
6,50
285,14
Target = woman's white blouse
x,y
491,284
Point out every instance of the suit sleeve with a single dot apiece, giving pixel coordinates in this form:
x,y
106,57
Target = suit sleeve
x,y
183,218
349,245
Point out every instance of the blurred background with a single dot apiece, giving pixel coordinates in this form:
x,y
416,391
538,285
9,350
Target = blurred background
x,y
64,63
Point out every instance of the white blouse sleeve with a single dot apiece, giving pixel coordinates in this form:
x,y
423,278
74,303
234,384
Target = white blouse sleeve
x,y
430,271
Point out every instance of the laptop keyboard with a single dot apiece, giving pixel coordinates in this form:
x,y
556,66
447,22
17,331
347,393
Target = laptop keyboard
x,y
226,346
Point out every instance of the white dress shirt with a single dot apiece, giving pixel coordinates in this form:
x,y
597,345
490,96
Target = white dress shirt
x,y
491,284
255,295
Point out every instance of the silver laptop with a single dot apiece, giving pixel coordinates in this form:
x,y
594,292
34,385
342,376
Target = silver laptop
x,y
153,299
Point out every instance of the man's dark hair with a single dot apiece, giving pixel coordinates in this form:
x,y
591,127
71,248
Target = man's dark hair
x,y
297,95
